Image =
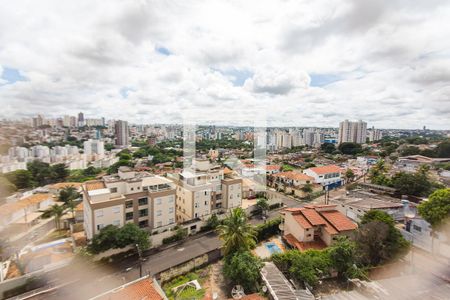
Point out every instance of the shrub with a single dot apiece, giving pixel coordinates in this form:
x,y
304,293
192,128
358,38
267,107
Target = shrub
x,y
268,229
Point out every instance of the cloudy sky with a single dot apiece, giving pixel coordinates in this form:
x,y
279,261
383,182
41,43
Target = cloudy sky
x,y
301,63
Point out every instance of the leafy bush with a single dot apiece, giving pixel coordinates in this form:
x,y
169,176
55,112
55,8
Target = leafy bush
x,y
178,236
268,229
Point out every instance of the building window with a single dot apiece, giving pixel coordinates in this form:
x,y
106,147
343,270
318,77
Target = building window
x,y
143,201
138,187
129,216
129,204
171,199
116,210
171,220
143,223
143,212
145,188
196,215
206,202
99,213
159,213
100,226
170,210
159,224
132,189
116,223
158,201
206,193
113,190
195,205
417,228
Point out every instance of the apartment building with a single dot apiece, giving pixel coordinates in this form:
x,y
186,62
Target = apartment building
x,y
128,197
203,189
354,132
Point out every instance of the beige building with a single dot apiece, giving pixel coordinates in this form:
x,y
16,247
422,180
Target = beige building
x,y
354,132
315,226
204,189
128,197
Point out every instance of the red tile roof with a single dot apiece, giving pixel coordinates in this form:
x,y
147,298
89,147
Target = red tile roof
x,y
326,169
294,176
313,217
142,289
338,220
300,219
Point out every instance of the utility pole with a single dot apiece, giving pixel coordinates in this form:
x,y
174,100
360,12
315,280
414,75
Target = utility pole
x,y
140,259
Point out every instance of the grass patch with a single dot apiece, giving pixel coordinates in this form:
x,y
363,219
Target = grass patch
x,y
189,292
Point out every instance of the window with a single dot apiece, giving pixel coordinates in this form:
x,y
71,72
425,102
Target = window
x,y
159,213
113,190
417,228
145,188
116,222
206,202
196,215
138,187
308,235
116,209
99,213
159,224
100,226
171,199
129,216
171,220
143,223
206,193
132,189
143,201
158,201
196,205
129,204
143,212
170,210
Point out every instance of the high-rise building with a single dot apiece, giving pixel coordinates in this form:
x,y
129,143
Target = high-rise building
x,y
375,134
353,132
80,119
94,149
121,131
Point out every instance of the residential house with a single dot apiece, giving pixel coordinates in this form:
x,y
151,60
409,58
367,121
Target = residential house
x,y
328,176
413,162
315,226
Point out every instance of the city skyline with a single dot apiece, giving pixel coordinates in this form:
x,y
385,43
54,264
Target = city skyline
x,y
229,63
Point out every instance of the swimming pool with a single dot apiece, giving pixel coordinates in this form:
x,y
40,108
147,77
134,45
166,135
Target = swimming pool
x,y
273,248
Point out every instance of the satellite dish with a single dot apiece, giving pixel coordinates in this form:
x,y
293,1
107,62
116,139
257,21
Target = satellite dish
x,y
237,292
264,289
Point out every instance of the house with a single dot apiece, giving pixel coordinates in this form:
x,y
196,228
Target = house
x,y
411,163
328,176
25,211
140,289
315,226
57,187
291,178
357,203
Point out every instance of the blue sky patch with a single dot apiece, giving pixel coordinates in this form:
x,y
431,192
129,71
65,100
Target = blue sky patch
x,y
323,79
237,77
163,51
125,91
12,75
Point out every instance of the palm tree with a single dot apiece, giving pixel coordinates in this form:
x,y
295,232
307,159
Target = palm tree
x,y
56,211
71,206
236,233
68,193
263,205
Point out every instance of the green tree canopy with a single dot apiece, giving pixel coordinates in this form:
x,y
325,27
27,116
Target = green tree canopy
x,y
436,210
22,179
328,148
350,148
243,268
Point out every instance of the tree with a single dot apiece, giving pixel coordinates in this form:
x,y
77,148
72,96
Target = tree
x,y
378,240
71,205
212,222
113,237
6,187
59,172
349,175
443,149
56,211
263,205
68,193
416,184
436,210
342,254
350,148
236,233
244,269
22,179
307,188
328,148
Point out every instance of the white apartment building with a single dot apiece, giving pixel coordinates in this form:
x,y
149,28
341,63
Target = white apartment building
x,y
375,135
354,132
128,197
203,189
94,149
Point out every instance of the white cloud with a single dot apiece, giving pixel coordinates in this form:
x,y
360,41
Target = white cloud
x,y
391,60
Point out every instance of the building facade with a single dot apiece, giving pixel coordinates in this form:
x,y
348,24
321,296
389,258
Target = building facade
x,y
122,134
353,132
128,197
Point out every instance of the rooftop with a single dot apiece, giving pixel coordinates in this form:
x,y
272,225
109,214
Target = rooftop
x,y
142,289
326,169
294,176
